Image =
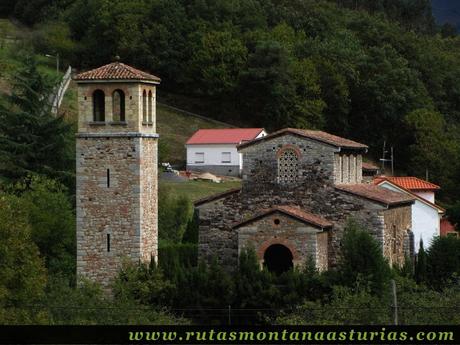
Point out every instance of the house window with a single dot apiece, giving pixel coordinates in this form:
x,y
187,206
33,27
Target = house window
x,y
452,234
288,166
226,157
98,106
118,106
199,157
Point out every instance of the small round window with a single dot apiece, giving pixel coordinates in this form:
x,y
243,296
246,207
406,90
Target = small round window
x,y
277,221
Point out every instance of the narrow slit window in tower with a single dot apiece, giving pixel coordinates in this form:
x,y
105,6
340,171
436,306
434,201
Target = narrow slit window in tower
x,y
108,178
108,243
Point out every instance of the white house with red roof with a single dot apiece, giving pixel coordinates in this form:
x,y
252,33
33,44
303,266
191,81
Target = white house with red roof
x,y
214,150
426,215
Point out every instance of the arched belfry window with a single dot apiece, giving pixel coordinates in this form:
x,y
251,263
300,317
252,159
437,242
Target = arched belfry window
x,y
118,106
288,166
98,106
144,107
150,119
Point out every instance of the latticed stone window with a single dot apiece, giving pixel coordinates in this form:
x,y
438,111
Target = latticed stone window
x,y
288,166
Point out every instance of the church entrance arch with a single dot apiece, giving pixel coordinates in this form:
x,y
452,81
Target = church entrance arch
x,y
278,258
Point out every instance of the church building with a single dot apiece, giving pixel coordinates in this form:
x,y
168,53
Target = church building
x,y
116,159
300,189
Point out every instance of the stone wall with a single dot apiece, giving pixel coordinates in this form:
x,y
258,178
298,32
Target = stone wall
x,y
314,191
149,201
397,223
133,108
216,236
298,237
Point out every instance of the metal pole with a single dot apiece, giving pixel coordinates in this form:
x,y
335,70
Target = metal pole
x,y
392,163
383,157
229,315
395,301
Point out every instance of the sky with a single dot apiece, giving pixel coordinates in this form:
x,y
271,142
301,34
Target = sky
x,y
447,11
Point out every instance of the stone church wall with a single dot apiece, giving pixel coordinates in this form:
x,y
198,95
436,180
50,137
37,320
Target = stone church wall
x,y
298,237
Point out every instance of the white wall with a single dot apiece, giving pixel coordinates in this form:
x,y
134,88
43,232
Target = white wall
x,y
213,154
426,195
425,220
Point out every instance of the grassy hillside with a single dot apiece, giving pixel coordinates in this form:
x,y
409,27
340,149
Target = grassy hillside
x,y
195,190
175,128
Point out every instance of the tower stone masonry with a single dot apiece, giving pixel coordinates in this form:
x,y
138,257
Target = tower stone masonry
x,y
117,182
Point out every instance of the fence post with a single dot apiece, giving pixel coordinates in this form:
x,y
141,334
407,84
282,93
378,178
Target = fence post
x,y
395,301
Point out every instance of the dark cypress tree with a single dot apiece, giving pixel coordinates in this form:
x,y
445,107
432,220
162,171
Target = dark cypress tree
x,y
420,265
32,140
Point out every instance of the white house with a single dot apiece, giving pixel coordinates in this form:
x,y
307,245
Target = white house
x,y
214,150
426,215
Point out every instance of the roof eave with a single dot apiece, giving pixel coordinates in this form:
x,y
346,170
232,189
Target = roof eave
x,y
107,81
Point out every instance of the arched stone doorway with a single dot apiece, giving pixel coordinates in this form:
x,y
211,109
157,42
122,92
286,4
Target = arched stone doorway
x,y
278,258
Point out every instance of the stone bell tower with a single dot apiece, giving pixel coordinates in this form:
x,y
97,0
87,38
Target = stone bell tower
x,y
117,179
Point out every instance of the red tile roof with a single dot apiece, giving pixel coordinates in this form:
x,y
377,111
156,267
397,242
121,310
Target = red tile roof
x,y
292,211
376,193
116,71
223,136
408,182
379,180
216,196
311,134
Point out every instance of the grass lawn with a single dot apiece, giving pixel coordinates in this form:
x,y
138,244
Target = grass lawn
x,y
175,128
195,190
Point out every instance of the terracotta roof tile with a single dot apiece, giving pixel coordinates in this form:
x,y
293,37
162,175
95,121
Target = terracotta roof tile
x,y
116,71
311,134
408,182
292,211
377,193
223,136
378,181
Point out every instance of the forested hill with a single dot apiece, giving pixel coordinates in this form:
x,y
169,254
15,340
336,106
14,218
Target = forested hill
x,y
373,71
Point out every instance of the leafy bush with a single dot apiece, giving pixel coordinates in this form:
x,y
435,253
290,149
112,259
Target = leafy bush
x,y
362,260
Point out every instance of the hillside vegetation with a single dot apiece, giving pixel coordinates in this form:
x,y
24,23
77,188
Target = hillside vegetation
x,y
372,71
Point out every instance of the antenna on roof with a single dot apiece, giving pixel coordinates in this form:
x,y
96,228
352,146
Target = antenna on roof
x,y
383,159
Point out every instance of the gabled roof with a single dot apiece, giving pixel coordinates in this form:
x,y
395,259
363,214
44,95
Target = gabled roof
x,y
116,71
415,196
408,182
377,194
291,211
216,196
223,136
320,136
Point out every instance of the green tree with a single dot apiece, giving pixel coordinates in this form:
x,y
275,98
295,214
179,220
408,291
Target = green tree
x,y
22,271
31,139
52,221
443,261
421,265
362,260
